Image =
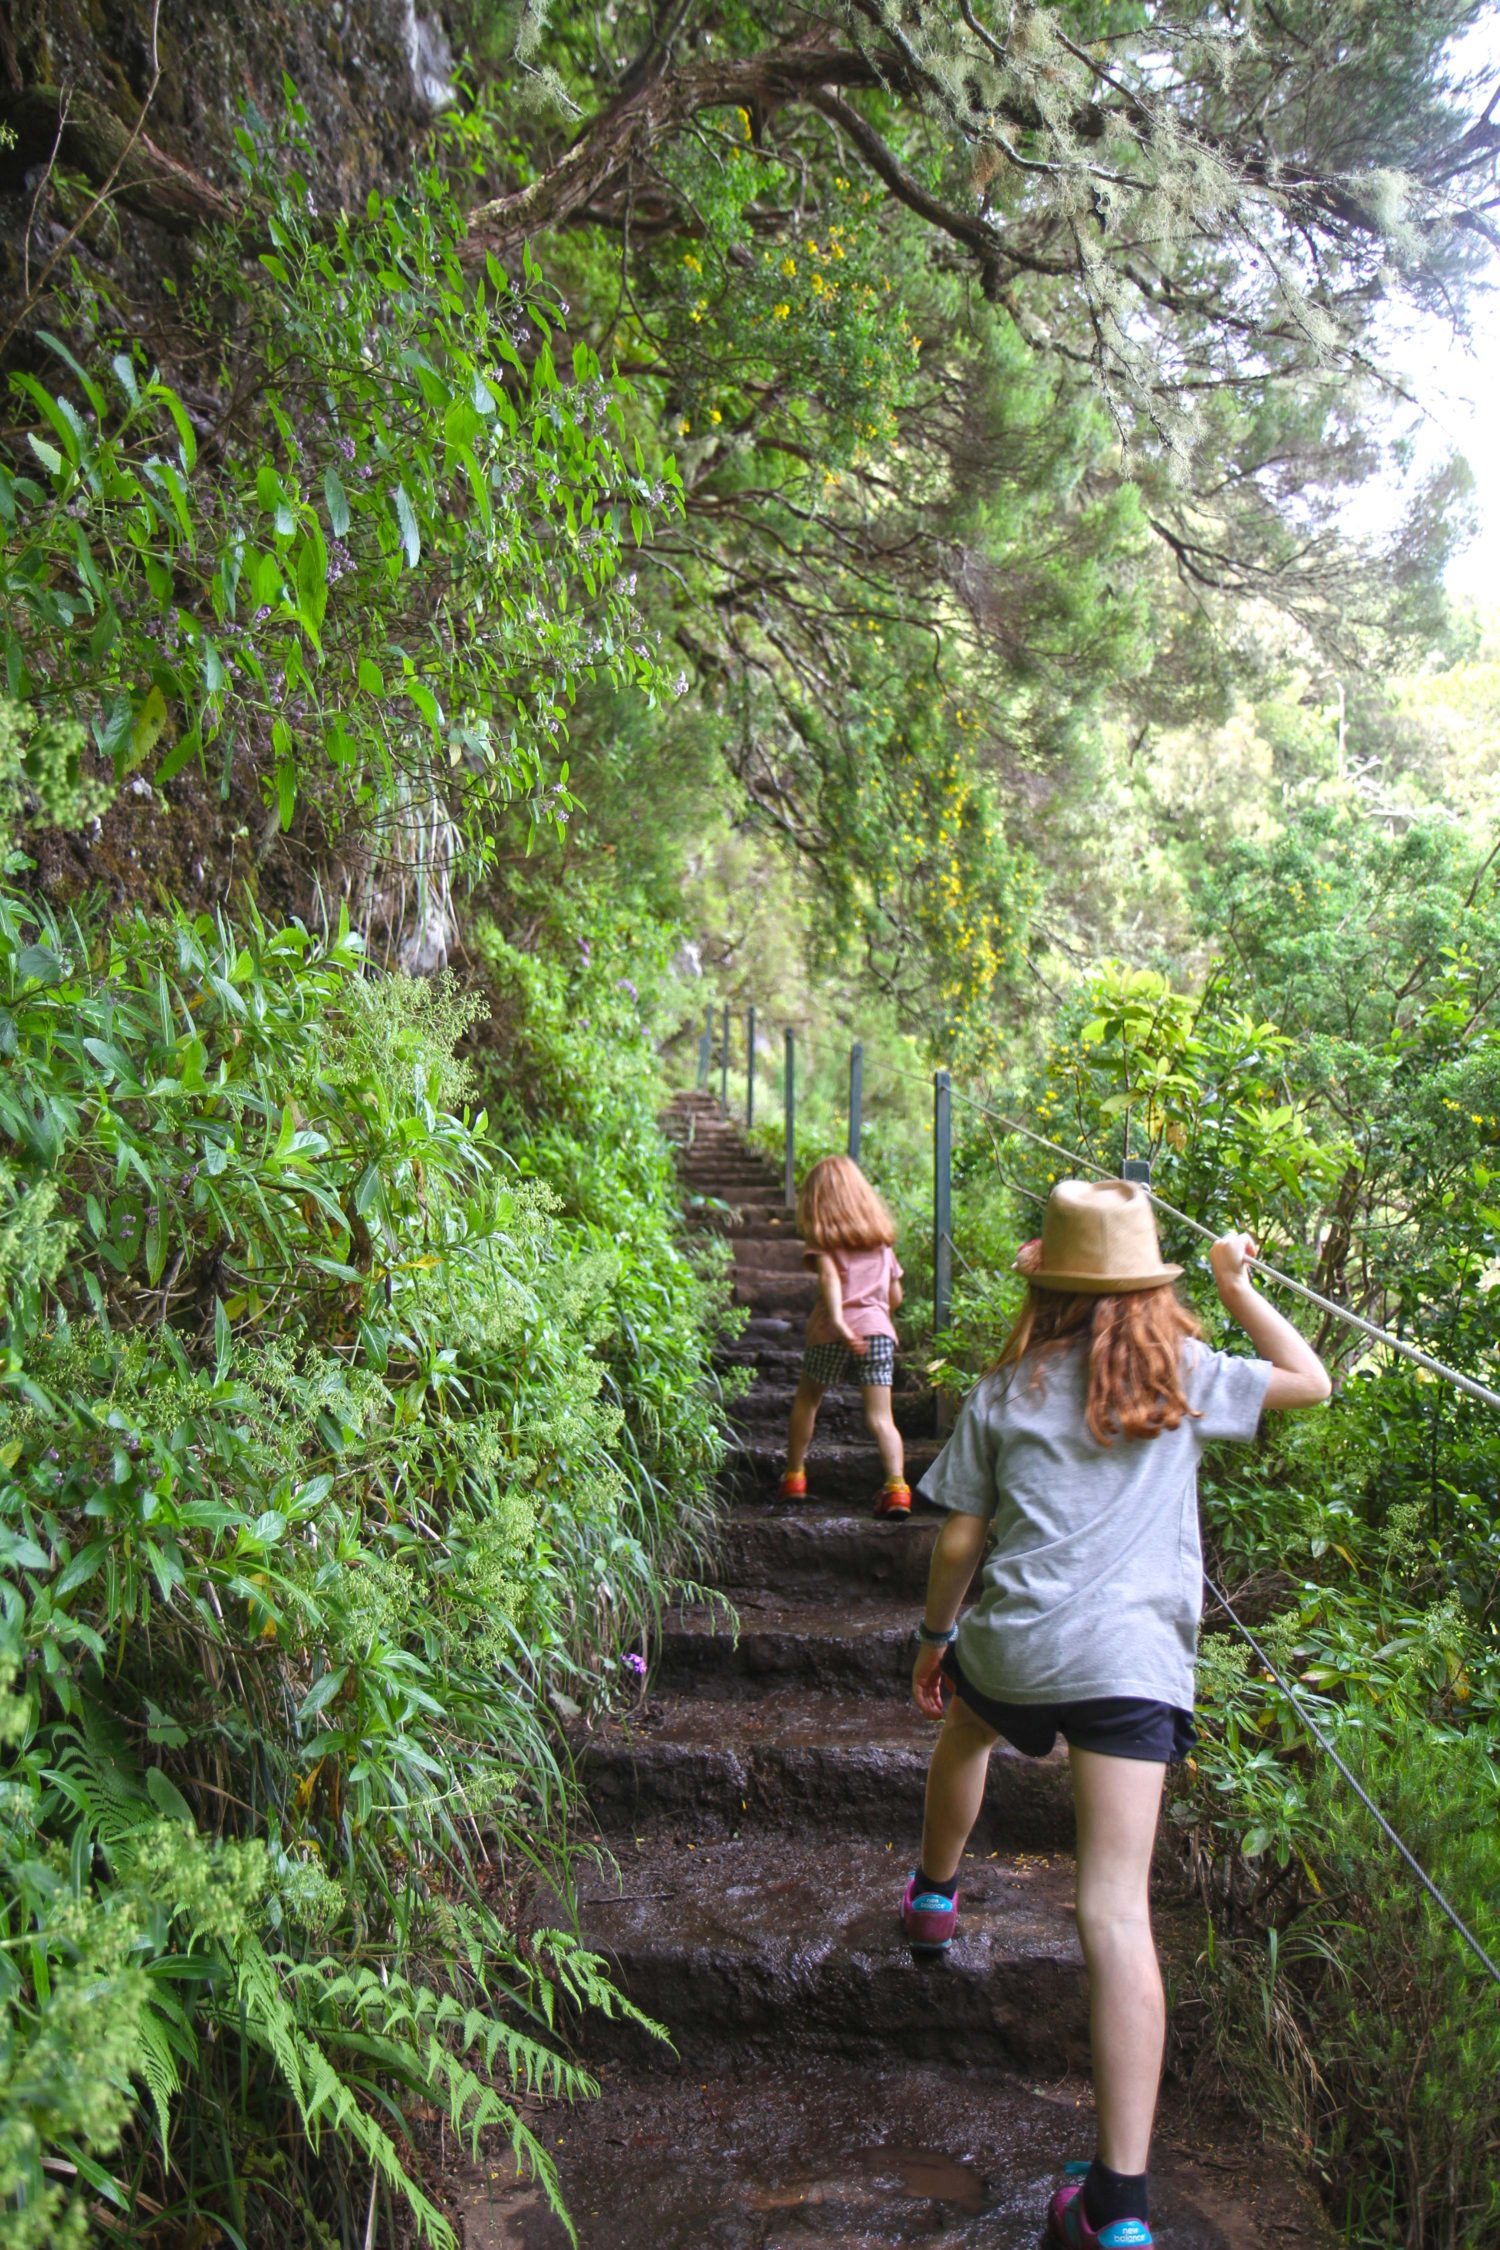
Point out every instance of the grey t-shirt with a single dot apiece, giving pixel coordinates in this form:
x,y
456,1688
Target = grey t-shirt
x,y
1093,1581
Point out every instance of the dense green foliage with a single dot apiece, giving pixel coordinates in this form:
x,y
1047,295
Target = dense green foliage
x,y
385,595
325,1463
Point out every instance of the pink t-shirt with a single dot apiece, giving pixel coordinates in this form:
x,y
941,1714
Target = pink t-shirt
x,y
866,1276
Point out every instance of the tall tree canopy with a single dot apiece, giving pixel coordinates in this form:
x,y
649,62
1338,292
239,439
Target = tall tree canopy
x,y
959,367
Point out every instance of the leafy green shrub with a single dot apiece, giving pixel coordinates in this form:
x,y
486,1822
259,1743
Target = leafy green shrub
x,y
42,783
313,1491
386,579
1376,2042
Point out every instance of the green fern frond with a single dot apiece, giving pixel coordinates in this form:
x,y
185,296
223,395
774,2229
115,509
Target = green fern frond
x,y
157,2064
322,2097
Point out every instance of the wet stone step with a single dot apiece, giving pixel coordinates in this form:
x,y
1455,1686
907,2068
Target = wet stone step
x,y
802,1762
721,1199
759,1221
776,1292
702,1175
748,1186
808,1549
840,1415
771,1343
705,1164
853,1644
848,1471
827,2154
773,1254
765,1938
727,1209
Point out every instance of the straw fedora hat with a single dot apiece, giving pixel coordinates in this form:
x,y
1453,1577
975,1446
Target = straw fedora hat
x,y
1099,1240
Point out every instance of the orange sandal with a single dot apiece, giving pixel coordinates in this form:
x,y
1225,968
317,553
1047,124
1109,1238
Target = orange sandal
x,y
793,1485
894,1498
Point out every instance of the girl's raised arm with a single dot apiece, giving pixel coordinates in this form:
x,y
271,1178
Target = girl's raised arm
x,y
1298,1376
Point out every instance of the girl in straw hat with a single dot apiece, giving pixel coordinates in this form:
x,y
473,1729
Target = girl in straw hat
x,y
1076,1460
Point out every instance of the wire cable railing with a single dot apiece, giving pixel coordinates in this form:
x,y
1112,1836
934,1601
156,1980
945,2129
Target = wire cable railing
x,y
1360,1791
1329,1305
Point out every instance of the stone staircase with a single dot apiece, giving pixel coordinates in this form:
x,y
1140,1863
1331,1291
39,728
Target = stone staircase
x,y
824,2091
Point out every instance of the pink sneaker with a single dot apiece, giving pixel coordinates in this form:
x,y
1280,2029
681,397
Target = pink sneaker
x,y
1068,2227
928,1918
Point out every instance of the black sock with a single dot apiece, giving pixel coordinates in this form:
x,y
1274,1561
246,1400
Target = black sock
x,y
1108,2196
926,1883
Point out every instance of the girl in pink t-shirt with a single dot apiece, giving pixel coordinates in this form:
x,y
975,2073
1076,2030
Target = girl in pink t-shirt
x,y
848,1233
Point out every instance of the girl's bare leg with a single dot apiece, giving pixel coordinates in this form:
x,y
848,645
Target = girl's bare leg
x,y
803,1419
1118,1801
955,1789
877,1397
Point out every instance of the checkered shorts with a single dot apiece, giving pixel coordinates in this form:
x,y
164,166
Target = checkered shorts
x,y
835,1363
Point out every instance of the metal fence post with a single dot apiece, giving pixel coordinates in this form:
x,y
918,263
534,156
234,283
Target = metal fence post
x,y
942,1200
790,1107
724,1066
856,1095
749,1066
706,1047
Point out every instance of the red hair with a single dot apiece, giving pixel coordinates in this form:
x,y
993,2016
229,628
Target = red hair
x,y
839,1210
1135,1340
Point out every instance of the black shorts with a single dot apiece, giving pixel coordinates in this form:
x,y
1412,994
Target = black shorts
x,y
1117,1726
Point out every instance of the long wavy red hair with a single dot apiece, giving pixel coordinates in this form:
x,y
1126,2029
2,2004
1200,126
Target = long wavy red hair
x,y
1135,1341
839,1210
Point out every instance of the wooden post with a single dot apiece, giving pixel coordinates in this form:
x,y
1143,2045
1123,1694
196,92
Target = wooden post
x,y
856,1095
724,1067
749,1066
790,1107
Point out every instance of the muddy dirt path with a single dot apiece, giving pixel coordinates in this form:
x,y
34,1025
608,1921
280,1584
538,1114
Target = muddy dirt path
x,y
828,2092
